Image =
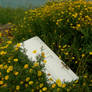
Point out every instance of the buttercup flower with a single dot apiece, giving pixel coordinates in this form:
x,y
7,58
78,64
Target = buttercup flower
x,y
17,87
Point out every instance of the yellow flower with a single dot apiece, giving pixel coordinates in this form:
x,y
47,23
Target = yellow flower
x,y
26,66
51,79
18,45
6,77
65,46
59,46
43,54
90,80
62,49
16,73
1,82
78,25
75,15
40,90
83,55
36,64
58,89
39,73
84,84
10,68
31,82
5,85
76,62
63,85
74,85
16,60
90,53
1,66
85,76
41,85
21,82
27,79
44,61
5,66
9,61
76,81
34,51
53,85
26,85
9,42
32,90
0,73
44,89
3,52
17,87
66,53
73,57
58,82
30,70
0,34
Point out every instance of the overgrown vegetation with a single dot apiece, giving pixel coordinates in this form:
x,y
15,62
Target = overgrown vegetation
x,y
66,27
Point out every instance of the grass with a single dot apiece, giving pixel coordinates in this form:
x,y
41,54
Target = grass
x,y
66,27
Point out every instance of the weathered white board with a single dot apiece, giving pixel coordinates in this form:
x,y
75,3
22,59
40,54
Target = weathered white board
x,y
54,65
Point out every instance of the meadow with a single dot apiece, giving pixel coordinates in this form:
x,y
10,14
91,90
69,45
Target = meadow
x,y
66,27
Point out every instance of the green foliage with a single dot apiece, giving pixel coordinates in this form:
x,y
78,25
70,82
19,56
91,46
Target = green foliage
x,y
66,27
